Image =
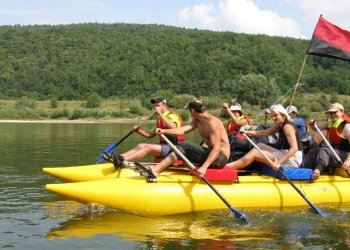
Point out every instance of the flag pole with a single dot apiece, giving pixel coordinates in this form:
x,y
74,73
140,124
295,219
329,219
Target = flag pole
x,y
298,82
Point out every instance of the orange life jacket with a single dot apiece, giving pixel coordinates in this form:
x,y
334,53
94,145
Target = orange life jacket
x,y
161,124
232,127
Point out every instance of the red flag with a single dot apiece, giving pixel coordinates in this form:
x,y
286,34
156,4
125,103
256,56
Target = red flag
x,y
329,40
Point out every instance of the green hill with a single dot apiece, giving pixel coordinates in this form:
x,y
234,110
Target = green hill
x,y
70,62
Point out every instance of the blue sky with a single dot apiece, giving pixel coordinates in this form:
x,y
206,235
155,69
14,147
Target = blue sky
x,y
291,18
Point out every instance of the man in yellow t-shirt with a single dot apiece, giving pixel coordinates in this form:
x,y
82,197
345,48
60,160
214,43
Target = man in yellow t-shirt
x,y
167,119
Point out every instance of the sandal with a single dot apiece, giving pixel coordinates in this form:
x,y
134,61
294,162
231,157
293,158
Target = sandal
x,y
315,175
116,159
146,169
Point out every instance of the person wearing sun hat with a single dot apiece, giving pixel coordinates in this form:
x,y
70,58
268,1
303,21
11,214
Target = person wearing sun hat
x,y
167,118
338,135
289,155
214,151
237,118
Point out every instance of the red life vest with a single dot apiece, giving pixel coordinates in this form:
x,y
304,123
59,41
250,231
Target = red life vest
x,y
337,140
161,124
232,127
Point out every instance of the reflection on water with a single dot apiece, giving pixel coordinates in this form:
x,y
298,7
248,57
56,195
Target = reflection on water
x,y
212,229
33,218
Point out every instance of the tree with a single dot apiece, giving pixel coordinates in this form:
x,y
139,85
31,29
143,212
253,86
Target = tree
x,y
93,101
257,90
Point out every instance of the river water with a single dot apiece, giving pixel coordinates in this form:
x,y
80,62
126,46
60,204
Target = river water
x,y
33,218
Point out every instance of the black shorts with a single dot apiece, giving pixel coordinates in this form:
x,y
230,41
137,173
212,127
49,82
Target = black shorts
x,y
197,154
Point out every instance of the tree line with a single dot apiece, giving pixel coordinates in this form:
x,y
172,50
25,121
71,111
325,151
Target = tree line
x,y
73,62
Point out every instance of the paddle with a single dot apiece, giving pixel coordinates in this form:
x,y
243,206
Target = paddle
x,y
285,177
110,148
235,212
330,147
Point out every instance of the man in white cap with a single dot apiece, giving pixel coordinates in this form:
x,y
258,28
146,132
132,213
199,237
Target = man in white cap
x,y
339,137
298,121
237,118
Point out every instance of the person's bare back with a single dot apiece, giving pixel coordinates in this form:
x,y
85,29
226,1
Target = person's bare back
x,y
211,129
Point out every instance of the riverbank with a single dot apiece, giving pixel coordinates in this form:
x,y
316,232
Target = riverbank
x,y
70,121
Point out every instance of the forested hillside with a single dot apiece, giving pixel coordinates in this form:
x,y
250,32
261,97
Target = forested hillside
x,y
70,62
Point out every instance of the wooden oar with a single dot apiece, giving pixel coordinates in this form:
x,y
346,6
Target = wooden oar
x,y
330,147
235,212
110,148
285,177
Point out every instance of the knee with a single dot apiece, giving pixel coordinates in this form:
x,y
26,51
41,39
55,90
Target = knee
x,y
143,147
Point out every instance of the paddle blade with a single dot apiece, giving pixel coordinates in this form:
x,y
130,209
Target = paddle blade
x,y
239,215
317,210
109,149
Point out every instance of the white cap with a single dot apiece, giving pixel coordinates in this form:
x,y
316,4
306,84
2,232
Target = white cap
x,y
291,109
235,107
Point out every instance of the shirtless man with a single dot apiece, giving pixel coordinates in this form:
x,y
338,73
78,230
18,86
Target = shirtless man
x,y
215,149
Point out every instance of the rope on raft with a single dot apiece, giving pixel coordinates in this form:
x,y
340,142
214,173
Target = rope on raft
x,y
262,113
297,85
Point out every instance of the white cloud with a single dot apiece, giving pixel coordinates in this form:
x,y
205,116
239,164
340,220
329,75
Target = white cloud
x,y
242,16
198,12
334,11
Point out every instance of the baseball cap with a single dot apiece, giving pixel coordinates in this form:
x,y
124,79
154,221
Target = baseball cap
x,y
335,107
197,104
291,109
235,107
159,99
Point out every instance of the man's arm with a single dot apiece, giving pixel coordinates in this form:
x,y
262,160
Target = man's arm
x,y
178,131
171,121
147,134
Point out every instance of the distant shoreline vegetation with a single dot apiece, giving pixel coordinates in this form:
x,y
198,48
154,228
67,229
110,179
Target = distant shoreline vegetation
x,y
97,109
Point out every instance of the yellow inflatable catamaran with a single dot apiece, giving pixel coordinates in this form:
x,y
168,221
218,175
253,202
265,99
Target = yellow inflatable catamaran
x,y
177,191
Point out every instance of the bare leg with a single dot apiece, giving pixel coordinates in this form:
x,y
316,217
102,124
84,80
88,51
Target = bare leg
x,y
141,150
254,155
169,160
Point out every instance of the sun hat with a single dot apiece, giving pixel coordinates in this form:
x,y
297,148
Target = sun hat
x,y
235,107
335,107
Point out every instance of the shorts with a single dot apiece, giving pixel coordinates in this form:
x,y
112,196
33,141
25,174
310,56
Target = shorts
x,y
197,154
292,162
166,149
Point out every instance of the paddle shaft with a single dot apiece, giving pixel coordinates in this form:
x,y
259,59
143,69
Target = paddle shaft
x,y
139,125
285,177
110,148
236,213
330,147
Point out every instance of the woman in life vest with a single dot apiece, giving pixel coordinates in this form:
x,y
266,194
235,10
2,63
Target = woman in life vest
x,y
338,134
237,119
289,155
